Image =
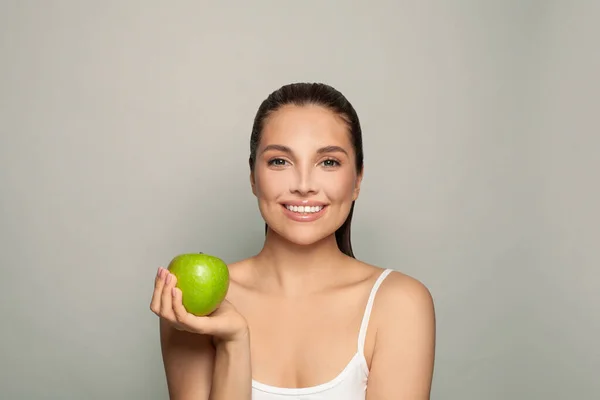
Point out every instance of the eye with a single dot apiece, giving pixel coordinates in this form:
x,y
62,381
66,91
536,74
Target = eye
x,y
277,162
330,163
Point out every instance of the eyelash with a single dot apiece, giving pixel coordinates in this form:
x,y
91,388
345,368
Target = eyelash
x,y
274,160
336,162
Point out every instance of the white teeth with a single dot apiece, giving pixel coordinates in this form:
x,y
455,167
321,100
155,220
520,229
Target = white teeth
x,y
304,209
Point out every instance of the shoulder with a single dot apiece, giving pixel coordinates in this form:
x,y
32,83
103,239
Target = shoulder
x,y
399,298
398,293
403,305
240,271
401,294
404,348
404,315
242,277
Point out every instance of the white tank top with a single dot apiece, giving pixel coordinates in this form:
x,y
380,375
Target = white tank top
x,y
350,384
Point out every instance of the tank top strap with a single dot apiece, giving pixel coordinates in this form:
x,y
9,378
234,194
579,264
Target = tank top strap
x,y
367,315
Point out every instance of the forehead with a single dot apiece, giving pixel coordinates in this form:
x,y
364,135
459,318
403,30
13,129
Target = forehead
x,y
307,126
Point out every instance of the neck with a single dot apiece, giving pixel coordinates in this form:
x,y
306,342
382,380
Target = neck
x,y
294,269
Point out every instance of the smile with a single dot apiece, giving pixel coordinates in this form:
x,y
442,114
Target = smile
x,y
304,213
303,209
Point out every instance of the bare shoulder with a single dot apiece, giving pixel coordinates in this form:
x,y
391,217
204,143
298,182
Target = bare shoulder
x,y
404,350
240,280
398,291
401,294
240,271
238,265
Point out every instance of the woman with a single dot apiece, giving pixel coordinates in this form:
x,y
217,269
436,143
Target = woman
x,y
303,319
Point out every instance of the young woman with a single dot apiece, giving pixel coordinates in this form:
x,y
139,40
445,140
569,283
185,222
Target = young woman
x,y
303,318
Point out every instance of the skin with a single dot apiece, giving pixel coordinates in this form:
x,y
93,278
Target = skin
x,y
278,299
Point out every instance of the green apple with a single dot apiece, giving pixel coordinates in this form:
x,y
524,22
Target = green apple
x,y
203,280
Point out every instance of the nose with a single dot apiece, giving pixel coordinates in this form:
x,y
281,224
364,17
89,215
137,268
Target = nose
x,y
303,183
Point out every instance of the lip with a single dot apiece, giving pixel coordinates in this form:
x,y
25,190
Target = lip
x,y
309,217
310,203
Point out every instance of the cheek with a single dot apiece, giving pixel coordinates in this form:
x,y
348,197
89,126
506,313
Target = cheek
x,y
340,187
268,185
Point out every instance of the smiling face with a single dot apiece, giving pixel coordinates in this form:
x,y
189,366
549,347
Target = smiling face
x,y
305,176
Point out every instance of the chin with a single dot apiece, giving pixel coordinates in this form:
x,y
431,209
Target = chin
x,y
303,233
302,236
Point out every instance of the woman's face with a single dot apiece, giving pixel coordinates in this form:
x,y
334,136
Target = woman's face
x,y
305,176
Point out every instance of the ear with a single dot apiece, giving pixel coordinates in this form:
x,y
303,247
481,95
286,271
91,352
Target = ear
x,y
357,184
252,182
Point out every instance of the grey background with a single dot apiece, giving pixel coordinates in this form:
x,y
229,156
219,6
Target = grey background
x,y
124,141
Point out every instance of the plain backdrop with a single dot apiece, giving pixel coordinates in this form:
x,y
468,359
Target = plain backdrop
x,y
124,141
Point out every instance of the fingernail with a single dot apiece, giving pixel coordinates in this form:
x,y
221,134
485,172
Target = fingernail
x,y
158,272
174,292
168,278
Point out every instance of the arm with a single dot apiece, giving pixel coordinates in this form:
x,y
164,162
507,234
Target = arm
x,y
403,358
232,378
196,370
195,367
188,359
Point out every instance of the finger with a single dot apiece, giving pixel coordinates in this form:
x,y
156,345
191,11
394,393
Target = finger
x,y
158,288
183,317
166,300
181,314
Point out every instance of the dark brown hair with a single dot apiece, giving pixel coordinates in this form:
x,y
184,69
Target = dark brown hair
x,y
301,94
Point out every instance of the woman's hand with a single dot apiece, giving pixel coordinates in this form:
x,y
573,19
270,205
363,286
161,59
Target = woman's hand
x,y
225,324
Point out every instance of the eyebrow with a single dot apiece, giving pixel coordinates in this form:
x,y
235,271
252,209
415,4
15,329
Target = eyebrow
x,y
322,150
